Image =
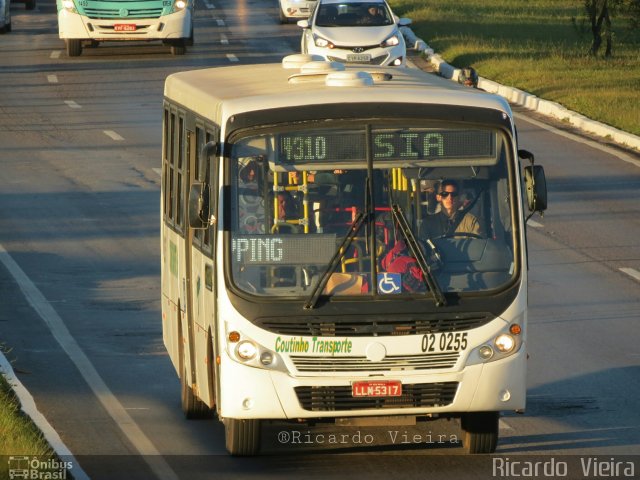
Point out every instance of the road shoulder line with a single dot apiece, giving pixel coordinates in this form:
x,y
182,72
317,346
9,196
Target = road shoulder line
x,y
29,408
98,386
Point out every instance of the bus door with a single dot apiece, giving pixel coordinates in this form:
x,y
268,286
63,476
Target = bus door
x,y
189,333
200,277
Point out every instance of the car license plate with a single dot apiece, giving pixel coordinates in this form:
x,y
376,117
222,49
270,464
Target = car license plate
x,y
381,388
358,57
124,27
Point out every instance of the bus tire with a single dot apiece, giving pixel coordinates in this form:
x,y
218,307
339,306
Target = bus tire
x,y
178,49
74,47
192,406
242,437
480,432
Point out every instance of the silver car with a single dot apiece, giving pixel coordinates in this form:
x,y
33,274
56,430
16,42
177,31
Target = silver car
x,y
355,31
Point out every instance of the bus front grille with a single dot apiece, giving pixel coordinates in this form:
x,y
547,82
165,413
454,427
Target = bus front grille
x,y
111,13
361,363
324,399
370,326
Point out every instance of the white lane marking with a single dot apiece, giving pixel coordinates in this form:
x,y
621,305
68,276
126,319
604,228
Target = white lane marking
x,y
100,389
158,171
72,104
113,135
55,54
576,138
633,273
28,406
224,40
220,22
52,78
502,425
533,223
232,57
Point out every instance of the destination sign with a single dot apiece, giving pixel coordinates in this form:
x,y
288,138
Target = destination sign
x,y
400,145
293,249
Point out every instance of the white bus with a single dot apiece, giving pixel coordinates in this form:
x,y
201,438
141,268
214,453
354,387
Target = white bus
x,y
299,278
89,22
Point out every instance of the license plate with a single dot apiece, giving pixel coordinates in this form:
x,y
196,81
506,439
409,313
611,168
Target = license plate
x,y
358,57
381,388
124,27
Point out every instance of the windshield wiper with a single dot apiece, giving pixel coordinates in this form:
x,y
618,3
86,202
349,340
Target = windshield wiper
x,y
337,256
416,252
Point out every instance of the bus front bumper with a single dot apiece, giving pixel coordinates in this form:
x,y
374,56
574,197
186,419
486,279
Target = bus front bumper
x,y
493,386
168,27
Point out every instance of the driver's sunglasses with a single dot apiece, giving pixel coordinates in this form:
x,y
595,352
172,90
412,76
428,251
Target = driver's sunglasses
x,y
446,194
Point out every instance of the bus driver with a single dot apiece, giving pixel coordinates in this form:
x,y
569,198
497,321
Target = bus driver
x,y
449,219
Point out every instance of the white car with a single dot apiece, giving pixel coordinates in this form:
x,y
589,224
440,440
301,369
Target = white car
x,y
355,31
295,9
5,16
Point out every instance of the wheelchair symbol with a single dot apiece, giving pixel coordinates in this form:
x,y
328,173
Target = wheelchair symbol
x,y
389,283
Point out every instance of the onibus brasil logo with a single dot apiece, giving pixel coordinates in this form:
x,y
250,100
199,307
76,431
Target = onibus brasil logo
x,y
37,468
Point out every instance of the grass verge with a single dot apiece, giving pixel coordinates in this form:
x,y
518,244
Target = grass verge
x,y
19,436
535,46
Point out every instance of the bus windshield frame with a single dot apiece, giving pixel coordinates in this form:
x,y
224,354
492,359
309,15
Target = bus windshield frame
x,y
413,177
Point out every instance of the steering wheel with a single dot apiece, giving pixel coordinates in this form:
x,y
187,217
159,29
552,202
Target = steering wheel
x,y
460,234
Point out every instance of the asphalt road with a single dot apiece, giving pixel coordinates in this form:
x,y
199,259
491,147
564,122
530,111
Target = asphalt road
x,y
80,315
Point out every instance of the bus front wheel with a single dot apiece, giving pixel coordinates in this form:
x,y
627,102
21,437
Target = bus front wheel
x,y
480,432
74,47
242,437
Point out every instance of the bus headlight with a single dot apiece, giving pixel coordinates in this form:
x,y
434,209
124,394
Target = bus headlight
x,y
505,343
485,352
69,5
179,5
266,358
246,350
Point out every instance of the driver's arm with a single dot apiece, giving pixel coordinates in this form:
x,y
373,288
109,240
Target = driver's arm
x,y
470,224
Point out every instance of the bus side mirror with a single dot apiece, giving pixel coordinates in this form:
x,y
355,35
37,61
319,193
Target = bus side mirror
x,y
535,183
199,206
536,188
208,149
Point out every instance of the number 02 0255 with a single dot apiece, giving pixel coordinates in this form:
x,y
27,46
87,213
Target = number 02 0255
x,y
444,342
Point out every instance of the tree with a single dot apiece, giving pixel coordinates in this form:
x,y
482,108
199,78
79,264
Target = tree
x,y
634,14
599,17
599,14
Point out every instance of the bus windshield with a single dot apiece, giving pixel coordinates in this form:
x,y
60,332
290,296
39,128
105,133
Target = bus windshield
x,y
321,207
